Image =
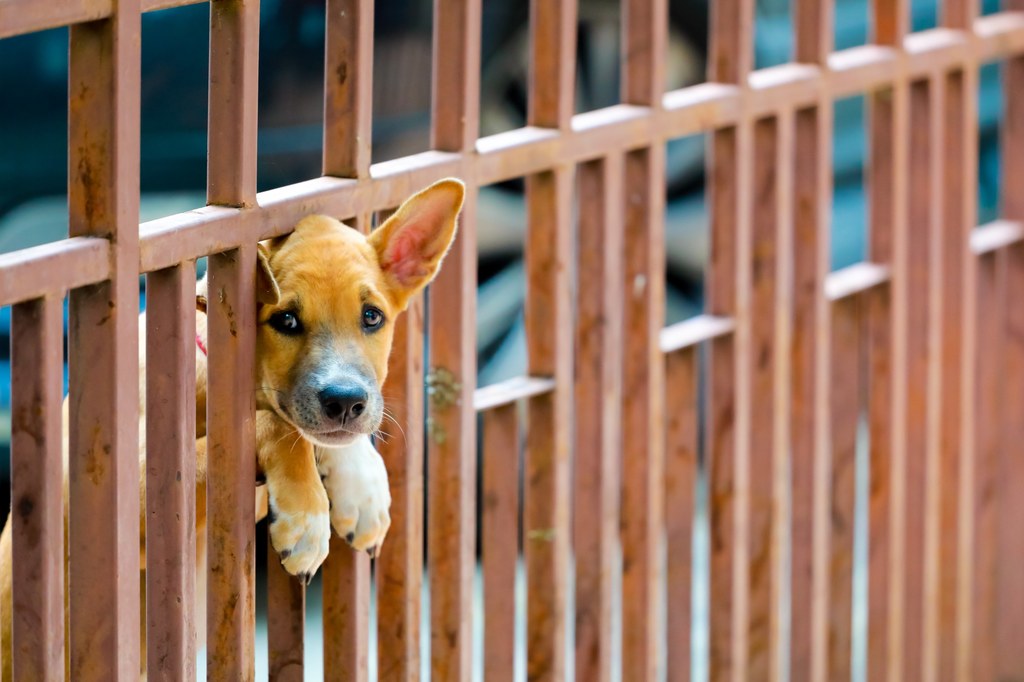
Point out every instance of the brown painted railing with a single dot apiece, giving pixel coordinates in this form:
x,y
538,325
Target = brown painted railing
x,y
918,353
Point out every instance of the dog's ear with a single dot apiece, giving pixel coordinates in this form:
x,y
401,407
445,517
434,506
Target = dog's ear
x,y
411,243
267,291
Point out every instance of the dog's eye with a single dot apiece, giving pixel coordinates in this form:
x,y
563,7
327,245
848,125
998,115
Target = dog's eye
x,y
286,322
372,318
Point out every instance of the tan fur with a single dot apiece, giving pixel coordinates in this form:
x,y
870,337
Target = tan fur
x,y
333,269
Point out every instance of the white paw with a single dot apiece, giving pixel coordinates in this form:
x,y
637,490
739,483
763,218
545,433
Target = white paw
x,y
300,537
357,485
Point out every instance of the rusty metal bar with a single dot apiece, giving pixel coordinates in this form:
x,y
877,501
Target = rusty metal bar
x,y
644,48
348,88
813,28
913,552
234,51
769,380
170,520
990,368
727,192
643,452
1009,663
37,481
681,408
500,539
231,465
400,563
451,496
345,576
103,542
846,398
887,184
53,268
598,410
546,532
730,60
958,215
286,611
231,181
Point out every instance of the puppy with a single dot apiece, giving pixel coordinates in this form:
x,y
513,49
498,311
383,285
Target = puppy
x,y
327,298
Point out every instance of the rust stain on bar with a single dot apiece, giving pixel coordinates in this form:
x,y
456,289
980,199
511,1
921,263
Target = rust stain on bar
x,y
681,455
103,540
546,482
286,616
36,532
598,396
170,518
348,88
400,563
500,539
231,465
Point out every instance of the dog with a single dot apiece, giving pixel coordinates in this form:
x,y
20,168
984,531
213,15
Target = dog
x,y
327,298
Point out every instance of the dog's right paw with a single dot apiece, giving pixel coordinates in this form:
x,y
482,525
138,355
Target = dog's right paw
x,y
300,536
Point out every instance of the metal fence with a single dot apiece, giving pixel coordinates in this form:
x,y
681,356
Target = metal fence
x,y
917,354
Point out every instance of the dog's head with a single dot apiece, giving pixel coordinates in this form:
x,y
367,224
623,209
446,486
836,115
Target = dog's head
x,y
329,297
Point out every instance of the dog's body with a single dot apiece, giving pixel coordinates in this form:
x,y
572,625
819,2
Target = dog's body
x,y
327,297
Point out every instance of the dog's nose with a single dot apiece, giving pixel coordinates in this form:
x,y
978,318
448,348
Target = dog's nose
x,y
343,403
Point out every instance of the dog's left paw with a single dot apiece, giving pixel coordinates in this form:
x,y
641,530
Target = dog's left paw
x,y
300,534
357,485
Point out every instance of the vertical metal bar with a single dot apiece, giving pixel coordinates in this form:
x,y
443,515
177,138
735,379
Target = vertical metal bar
x,y
812,179
958,195
552,63
598,381
681,408
769,280
103,143
887,178
452,423
643,452
846,402
500,540
37,481
171,472
346,576
549,346
234,72
991,293
643,83
546,491
920,380
730,60
1010,662
286,610
231,465
400,564
231,181
348,88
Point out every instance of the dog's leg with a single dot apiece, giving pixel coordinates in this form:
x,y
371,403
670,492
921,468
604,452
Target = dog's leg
x,y
6,600
357,485
300,528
